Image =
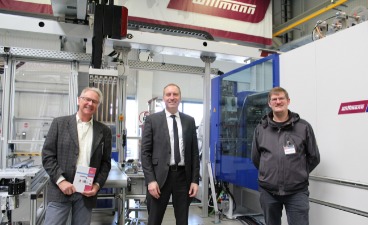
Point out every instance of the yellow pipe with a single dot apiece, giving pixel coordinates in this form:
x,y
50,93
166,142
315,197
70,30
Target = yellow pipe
x,y
317,13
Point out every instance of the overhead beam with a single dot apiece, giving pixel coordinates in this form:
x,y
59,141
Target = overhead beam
x,y
44,26
186,46
83,58
158,42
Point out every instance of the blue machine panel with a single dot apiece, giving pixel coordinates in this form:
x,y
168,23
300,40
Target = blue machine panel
x,y
238,101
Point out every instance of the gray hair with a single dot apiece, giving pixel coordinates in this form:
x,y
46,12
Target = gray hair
x,y
96,90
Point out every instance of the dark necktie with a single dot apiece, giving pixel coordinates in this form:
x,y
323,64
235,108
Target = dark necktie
x,y
176,141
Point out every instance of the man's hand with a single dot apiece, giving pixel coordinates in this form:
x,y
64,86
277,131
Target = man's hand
x,y
66,187
154,189
193,190
93,192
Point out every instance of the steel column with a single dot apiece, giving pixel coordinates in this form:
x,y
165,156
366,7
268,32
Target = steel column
x,y
206,128
73,87
123,71
6,82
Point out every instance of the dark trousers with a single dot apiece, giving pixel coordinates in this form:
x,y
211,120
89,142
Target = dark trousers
x,y
296,207
176,186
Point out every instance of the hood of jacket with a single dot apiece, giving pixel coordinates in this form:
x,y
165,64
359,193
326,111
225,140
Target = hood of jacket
x,y
267,120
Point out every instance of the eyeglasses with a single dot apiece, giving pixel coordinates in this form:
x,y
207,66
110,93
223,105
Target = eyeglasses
x,y
280,99
90,100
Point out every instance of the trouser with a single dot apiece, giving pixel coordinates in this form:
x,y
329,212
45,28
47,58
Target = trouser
x,y
57,213
176,186
296,207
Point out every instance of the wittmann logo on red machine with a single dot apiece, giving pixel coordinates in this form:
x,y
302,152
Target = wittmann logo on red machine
x,y
244,10
354,107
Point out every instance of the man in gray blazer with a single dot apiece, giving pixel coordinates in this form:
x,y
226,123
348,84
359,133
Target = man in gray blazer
x,y
72,141
166,175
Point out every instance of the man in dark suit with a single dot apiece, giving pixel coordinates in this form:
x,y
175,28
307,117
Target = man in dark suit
x,y
72,141
167,173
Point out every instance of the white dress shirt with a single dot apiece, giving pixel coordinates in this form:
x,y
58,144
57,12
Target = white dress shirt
x,y
180,134
85,132
85,135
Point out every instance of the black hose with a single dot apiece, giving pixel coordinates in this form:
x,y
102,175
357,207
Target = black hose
x,y
249,220
164,28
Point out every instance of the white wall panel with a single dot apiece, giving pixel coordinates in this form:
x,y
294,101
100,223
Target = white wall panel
x,y
342,77
333,216
339,195
191,85
298,76
29,40
319,77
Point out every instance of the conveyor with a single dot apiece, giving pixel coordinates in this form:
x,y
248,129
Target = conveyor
x,y
127,185
117,177
22,190
118,180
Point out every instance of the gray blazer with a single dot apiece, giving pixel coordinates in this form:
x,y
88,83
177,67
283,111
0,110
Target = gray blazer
x,y
156,149
60,154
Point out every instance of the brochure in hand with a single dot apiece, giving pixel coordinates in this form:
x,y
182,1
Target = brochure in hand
x,y
83,178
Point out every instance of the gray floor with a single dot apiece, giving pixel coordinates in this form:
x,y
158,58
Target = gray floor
x,y
195,218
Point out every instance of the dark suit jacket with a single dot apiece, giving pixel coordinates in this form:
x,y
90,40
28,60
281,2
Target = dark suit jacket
x,y
156,149
60,154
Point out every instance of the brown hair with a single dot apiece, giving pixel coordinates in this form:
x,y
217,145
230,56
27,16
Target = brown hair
x,y
277,90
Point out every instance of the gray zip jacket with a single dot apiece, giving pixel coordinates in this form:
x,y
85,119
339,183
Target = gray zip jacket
x,y
280,171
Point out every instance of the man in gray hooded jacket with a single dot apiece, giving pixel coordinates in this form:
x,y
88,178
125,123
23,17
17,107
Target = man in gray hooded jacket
x,y
285,151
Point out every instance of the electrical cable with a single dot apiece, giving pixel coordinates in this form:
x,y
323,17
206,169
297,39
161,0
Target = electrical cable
x,y
318,23
227,190
319,32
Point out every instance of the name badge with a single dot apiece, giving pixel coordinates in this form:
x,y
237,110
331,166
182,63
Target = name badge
x,y
289,149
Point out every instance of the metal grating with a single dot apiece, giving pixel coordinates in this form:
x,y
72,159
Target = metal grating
x,y
168,67
86,58
47,54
